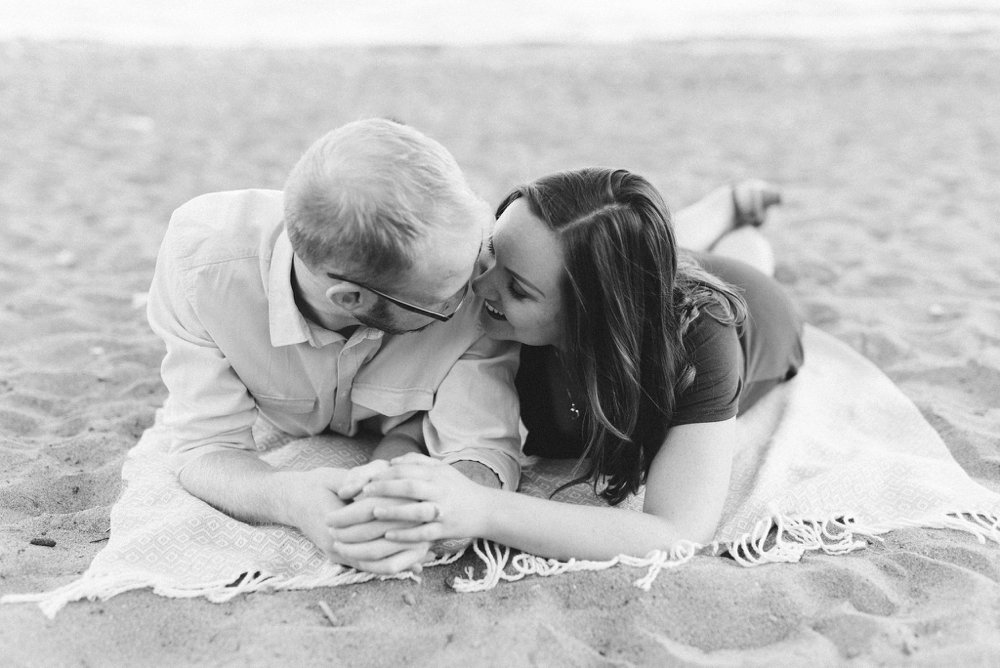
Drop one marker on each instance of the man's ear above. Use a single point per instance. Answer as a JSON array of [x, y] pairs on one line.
[[347, 296]]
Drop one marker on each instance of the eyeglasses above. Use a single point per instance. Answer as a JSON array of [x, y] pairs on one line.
[[413, 308], [443, 317]]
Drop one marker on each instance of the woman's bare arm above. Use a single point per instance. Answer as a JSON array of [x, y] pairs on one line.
[[685, 492]]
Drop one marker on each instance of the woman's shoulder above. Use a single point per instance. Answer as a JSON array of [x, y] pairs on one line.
[[713, 350], [710, 330]]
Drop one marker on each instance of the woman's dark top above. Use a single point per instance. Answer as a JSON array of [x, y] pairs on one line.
[[734, 366]]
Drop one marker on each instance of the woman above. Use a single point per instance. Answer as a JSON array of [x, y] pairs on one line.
[[636, 357]]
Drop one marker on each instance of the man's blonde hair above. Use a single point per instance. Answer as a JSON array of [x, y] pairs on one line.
[[365, 195]]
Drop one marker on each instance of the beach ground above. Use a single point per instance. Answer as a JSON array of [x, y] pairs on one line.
[[889, 238]]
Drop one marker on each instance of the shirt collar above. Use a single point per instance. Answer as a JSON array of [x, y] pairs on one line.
[[287, 325]]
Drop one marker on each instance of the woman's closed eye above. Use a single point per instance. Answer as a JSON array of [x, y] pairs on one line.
[[516, 291], [513, 287]]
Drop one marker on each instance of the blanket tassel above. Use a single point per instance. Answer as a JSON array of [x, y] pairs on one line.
[[497, 558], [775, 539]]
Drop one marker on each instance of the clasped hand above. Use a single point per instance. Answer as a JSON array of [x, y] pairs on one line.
[[395, 511]]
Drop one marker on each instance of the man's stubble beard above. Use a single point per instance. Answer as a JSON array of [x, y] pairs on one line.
[[380, 318]]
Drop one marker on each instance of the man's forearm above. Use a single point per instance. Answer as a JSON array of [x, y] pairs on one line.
[[396, 445], [248, 489], [241, 485], [402, 439]]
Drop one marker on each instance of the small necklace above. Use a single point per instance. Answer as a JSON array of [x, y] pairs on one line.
[[558, 377], [563, 376], [574, 411]]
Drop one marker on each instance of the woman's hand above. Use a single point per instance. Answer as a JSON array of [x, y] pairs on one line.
[[349, 534], [353, 480], [440, 502]]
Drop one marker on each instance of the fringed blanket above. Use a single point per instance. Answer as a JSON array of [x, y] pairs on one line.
[[830, 458]]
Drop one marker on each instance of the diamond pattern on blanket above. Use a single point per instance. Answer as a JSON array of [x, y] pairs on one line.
[[838, 441], [161, 531]]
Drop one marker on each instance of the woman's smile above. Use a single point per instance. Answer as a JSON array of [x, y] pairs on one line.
[[520, 281], [493, 312]]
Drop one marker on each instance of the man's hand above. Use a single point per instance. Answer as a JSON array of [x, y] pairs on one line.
[[309, 497], [243, 486], [405, 491], [356, 478], [314, 499], [359, 538], [441, 503]]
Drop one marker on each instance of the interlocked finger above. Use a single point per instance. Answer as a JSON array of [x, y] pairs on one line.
[[400, 561], [420, 533], [360, 533], [351, 514], [374, 550], [418, 490], [423, 511]]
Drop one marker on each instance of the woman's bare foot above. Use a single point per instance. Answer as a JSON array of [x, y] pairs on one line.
[[751, 200], [744, 204]]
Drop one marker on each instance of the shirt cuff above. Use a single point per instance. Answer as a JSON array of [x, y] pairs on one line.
[[507, 469]]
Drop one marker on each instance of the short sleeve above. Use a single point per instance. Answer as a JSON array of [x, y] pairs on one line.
[[714, 350], [208, 408]]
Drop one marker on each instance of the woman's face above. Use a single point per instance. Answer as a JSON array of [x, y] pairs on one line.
[[521, 284]]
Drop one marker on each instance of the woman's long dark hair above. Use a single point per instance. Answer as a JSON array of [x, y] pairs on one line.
[[628, 296]]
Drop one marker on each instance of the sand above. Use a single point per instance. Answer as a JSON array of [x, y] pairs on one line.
[[890, 160]]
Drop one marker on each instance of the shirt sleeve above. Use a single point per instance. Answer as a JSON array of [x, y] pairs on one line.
[[714, 351], [475, 416], [208, 407]]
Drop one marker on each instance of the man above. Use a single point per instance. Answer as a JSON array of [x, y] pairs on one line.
[[341, 303]]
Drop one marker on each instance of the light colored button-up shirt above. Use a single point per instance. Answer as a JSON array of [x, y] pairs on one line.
[[238, 347]]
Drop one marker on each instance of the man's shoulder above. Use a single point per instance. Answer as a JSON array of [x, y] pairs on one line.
[[224, 225], [230, 202], [432, 351]]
